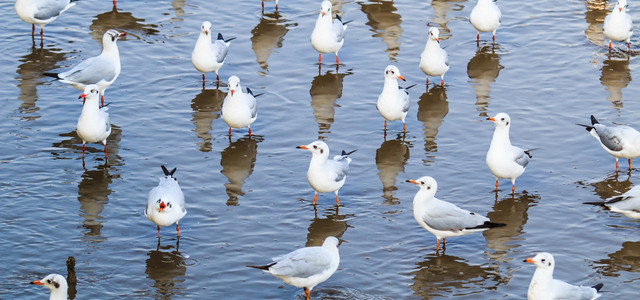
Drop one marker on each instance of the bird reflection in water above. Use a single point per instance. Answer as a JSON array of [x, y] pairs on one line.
[[432, 108], [627, 259], [391, 158], [74, 143], [610, 186], [93, 195], [237, 162], [594, 15], [384, 23], [123, 21], [483, 69], [167, 269], [206, 107], [330, 224], [267, 36], [325, 91], [440, 10], [616, 76]]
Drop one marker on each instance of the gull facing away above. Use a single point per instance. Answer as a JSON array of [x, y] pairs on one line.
[[619, 140], [627, 204], [618, 25], [328, 35], [544, 287], [326, 175], [41, 12], [93, 124], [102, 70], [393, 102], [208, 57], [503, 159], [306, 267], [486, 16], [434, 61], [239, 109], [56, 283], [444, 219], [165, 204]]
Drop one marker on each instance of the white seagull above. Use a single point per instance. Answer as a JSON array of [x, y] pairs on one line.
[[434, 61], [208, 57], [393, 102], [41, 12], [56, 283], [165, 204], [93, 125], [306, 267], [441, 218], [618, 25], [619, 140], [101, 70], [627, 204], [328, 35], [239, 109], [544, 287], [486, 16], [503, 159], [326, 175]]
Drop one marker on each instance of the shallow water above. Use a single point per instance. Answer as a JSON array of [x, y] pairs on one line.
[[248, 199]]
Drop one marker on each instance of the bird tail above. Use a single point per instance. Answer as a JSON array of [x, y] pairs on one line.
[[488, 224], [587, 127], [344, 153], [599, 203], [598, 286], [264, 268], [167, 172], [340, 19], [226, 41], [54, 75]]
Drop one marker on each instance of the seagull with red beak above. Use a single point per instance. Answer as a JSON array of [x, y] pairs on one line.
[[165, 204], [239, 109], [56, 283], [328, 35], [434, 61], [618, 25], [93, 125], [393, 102], [209, 57], [503, 159]]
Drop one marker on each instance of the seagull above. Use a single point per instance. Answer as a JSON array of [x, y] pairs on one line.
[[208, 57], [618, 25], [444, 219], [306, 267], [619, 140], [503, 159], [544, 287], [165, 205], [328, 35], [41, 12], [393, 102], [263, 5], [56, 283], [627, 204], [486, 16], [434, 61], [93, 125], [101, 70], [239, 109], [326, 175]]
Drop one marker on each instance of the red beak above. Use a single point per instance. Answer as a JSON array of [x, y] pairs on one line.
[[82, 96], [37, 282], [162, 206], [302, 147], [206, 32], [122, 34], [231, 92], [400, 77], [491, 119], [324, 13]]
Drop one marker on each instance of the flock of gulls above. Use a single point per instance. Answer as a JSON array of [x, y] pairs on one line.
[[307, 267]]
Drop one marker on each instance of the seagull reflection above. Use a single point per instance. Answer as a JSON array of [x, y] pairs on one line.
[[268, 35], [178, 6], [432, 108], [627, 259], [206, 107], [325, 91], [93, 195], [237, 162], [385, 23], [594, 15], [123, 21], [74, 143], [483, 69], [391, 158], [440, 10], [167, 269], [331, 224], [616, 75], [610, 186]]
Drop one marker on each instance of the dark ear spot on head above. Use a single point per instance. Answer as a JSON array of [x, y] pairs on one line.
[[507, 123], [549, 264], [56, 284], [321, 151]]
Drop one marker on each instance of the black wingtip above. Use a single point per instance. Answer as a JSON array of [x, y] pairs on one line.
[[598, 286], [265, 267], [344, 153], [587, 127], [165, 171], [493, 225], [220, 36], [594, 121], [54, 75]]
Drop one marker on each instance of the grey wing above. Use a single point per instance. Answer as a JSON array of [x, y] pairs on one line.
[[253, 105], [446, 57], [49, 9], [522, 158], [339, 30], [609, 137], [220, 50], [90, 71], [406, 103], [450, 217], [563, 290], [340, 165], [303, 262]]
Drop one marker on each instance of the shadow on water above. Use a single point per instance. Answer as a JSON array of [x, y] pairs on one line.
[[616, 76], [93, 151], [93, 195], [206, 107], [325, 91], [167, 268], [610, 186], [627, 259], [121, 21], [440, 10], [594, 15], [391, 158], [384, 23], [330, 224], [267, 36], [237, 162], [483, 69], [432, 108]]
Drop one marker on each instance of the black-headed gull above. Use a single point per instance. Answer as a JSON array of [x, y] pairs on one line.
[[306, 267], [328, 35], [627, 204], [209, 57], [444, 219], [486, 16], [102, 70], [93, 124], [165, 204], [56, 283], [618, 25], [434, 61], [263, 5], [239, 109], [619, 140], [393, 102], [326, 175], [543, 286], [503, 159], [41, 12]]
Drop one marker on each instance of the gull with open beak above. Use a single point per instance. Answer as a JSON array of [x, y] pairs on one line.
[[93, 125], [503, 159], [326, 175], [56, 283], [393, 102], [165, 204], [434, 61], [239, 109], [328, 34]]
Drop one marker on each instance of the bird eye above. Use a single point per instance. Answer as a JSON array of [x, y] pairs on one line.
[[169, 204], [502, 119], [48, 280], [542, 260], [315, 147], [421, 182], [158, 201]]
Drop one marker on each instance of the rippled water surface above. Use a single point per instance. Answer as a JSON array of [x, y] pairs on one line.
[[247, 197]]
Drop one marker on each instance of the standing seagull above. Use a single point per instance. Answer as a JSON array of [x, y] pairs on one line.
[[165, 204], [41, 12], [326, 175], [434, 61], [441, 218], [393, 102], [101, 70], [503, 159], [618, 25], [328, 35], [619, 140], [208, 57], [56, 283], [93, 125], [543, 286], [306, 267], [486, 16], [627, 204], [239, 109]]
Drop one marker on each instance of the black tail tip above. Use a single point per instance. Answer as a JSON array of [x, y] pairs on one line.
[[265, 267], [493, 225], [593, 120], [598, 286], [594, 203], [220, 36], [345, 153], [167, 172], [54, 75]]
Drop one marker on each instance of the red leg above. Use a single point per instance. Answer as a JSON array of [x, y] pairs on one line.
[[494, 39], [404, 128], [513, 188], [616, 164], [83, 149], [249, 130], [178, 229], [158, 231], [114, 2], [444, 243], [276, 7], [385, 124], [478, 37], [229, 131], [438, 245], [337, 200], [41, 33], [307, 293], [101, 100], [319, 58], [427, 79], [315, 198], [442, 83], [609, 46], [202, 77], [629, 164], [629, 45], [496, 184], [33, 29], [217, 77], [105, 151], [337, 60]]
